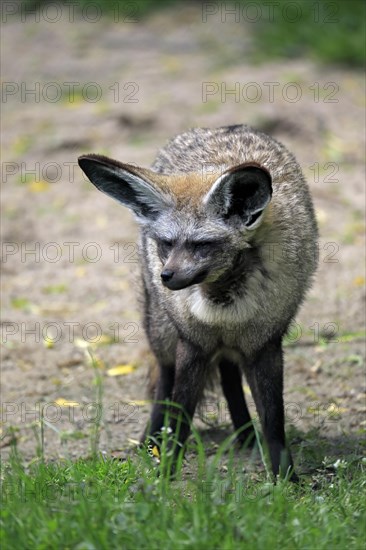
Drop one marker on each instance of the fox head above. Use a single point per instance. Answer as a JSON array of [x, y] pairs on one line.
[[200, 224]]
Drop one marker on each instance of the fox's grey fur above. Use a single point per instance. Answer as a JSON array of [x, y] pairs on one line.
[[228, 241]]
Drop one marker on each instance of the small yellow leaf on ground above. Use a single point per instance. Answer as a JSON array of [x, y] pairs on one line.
[[120, 370], [48, 343], [334, 409], [133, 441], [80, 271], [155, 451], [38, 186], [359, 281], [104, 340], [66, 403], [74, 100]]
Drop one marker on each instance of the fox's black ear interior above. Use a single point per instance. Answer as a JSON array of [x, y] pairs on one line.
[[251, 191], [242, 192], [123, 183]]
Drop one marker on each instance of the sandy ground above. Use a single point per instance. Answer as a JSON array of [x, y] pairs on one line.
[[69, 271]]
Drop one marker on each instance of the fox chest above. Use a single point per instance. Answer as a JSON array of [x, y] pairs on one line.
[[215, 327]]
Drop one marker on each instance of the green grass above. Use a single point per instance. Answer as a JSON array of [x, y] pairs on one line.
[[329, 32], [106, 504], [221, 500]]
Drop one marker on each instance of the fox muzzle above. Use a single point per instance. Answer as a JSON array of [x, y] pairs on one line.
[[177, 281]]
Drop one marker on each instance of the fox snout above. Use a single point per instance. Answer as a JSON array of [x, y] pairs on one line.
[[179, 279]]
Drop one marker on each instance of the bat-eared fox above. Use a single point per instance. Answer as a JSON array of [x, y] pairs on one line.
[[228, 250]]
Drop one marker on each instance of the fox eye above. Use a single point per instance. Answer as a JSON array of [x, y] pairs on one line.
[[166, 243], [202, 248], [165, 246]]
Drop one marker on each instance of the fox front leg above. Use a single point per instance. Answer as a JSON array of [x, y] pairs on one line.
[[265, 377], [163, 393], [231, 382], [190, 376], [185, 384], [189, 380]]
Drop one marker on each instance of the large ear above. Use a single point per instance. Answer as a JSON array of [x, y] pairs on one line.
[[130, 185], [243, 191]]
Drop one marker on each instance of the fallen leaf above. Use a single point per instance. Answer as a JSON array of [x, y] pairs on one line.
[[133, 441], [155, 451], [80, 271], [120, 370], [38, 186], [61, 402], [104, 340], [48, 342], [359, 281]]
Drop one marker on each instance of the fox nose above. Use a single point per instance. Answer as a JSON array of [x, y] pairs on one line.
[[166, 275]]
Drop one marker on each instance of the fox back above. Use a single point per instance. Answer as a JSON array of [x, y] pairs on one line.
[[228, 250]]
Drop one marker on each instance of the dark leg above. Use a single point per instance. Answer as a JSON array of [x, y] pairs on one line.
[[183, 386], [265, 377], [164, 390], [231, 381], [189, 382]]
